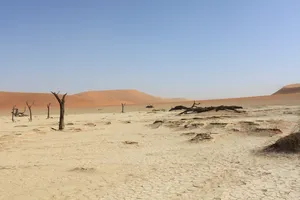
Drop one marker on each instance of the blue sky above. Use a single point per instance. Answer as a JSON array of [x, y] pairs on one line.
[[170, 48]]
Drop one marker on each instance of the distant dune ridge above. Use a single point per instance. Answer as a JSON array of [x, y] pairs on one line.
[[81, 100], [90, 99], [289, 89]]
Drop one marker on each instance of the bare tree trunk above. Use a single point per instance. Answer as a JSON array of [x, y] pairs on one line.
[[16, 112], [48, 107], [13, 114], [123, 105], [61, 102], [29, 108]]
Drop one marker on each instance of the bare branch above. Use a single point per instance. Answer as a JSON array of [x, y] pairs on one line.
[[56, 96]]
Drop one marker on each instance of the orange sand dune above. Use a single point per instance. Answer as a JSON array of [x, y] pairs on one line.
[[116, 97], [287, 95], [85, 99], [289, 89], [8, 99]]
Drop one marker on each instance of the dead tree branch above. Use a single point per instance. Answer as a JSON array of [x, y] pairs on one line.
[[61, 102], [181, 107], [215, 108], [22, 114]]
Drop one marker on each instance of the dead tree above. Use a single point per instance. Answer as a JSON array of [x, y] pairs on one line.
[[61, 102], [29, 108], [16, 112], [180, 107], [211, 108], [21, 114], [13, 113], [48, 108], [123, 106]]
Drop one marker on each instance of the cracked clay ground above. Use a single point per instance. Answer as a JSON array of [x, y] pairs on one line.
[[92, 161]]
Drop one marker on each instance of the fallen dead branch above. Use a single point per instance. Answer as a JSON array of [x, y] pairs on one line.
[[212, 108], [181, 107], [130, 142]]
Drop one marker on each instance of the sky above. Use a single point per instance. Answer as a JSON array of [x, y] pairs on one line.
[[197, 49]]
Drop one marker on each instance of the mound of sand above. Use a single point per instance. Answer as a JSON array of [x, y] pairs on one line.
[[289, 89]]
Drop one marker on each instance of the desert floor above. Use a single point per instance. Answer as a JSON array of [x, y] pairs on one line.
[[91, 159]]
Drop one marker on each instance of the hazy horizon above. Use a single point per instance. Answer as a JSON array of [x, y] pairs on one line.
[[171, 49]]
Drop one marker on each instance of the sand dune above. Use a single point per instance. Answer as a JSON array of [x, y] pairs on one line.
[[289, 89], [85, 99], [116, 97], [8, 99], [288, 95]]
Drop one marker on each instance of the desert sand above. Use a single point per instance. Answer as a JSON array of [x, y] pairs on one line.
[[105, 154]]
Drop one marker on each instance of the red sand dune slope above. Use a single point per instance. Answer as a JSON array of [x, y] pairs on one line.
[[8, 99], [85, 99], [115, 97], [289, 89], [287, 95]]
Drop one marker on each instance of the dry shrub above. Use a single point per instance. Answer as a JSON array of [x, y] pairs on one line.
[[287, 144], [200, 137]]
